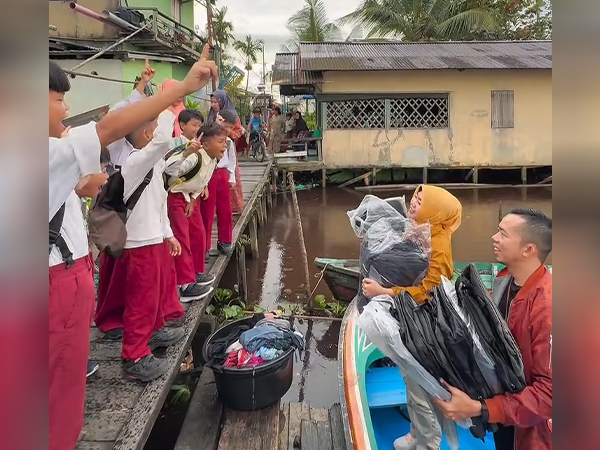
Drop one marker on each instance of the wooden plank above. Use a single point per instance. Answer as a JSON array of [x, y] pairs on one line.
[[93, 445], [319, 414], [201, 427], [253, 235], [295, 421], [284, 435], [105, 351], [269, 427], [241, 431], [309, 438], [364, 176], [324, 435], [104, 426], [337, 428]]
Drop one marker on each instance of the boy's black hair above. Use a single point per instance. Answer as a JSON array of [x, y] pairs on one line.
[[278, 110], [210, 130], [59, 82], [537, 230], [229, 116], [288, 114], [188, 114]]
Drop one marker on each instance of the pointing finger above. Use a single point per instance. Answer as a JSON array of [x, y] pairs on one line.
[[147, 63], [205, 52]]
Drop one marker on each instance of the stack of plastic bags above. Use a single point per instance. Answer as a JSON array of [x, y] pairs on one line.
[[394, 251]]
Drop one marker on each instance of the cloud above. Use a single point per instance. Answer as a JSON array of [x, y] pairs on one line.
[[267, 20]]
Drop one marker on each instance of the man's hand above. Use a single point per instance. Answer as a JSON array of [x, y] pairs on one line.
[[200, 73], [90, 185], [147, 73], [204, 194], [189, 208], [460, 407], [371, 288], [174, 246]]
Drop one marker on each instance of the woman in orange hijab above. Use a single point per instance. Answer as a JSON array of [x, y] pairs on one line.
[[176, 107]]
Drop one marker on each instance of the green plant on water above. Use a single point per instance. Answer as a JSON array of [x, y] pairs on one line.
[[180, 393], [320, 301], [243, 240], [222, 296], [336, 309]]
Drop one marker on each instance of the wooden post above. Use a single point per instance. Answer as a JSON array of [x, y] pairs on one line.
[[475, 175], [309, 303], [241, 273], [524, 176], [253, 228], [324, 177], [424, 175], [263, 206], [500, 211], [374, 177], [285, 179]]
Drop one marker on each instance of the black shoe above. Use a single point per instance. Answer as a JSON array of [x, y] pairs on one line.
[[175, 323], [213, 252], [207, 257], [194, 292], [204, 279], [225, 248], [165, 337], [145, 369], [92, 368], [114, 335]]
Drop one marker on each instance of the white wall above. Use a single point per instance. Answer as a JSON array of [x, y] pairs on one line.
[[87, 93]]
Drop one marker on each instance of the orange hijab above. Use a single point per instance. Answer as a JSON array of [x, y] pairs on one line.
[[176, 108]]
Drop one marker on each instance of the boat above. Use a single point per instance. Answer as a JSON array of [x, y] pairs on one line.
[[373, 394], [342, 275]]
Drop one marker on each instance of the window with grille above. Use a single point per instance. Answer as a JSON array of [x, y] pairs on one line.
[[411, 112], [503, 109]]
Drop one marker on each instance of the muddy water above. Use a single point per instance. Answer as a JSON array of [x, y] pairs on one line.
[[277, 276]]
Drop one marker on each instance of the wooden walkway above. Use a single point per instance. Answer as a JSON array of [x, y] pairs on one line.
[[291, 426], [120, 413]]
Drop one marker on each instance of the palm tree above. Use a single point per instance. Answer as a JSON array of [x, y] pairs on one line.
[[222, 28], [249, 48], [310, 24], [425, 20]]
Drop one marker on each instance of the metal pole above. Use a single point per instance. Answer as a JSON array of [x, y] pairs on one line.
[[110, 47], [264, 71], [209, 26]]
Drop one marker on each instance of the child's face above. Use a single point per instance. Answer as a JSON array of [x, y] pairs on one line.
[[190, 129], [214, 103], [257, 115], [228, 127], [215, 146], [58, 111]]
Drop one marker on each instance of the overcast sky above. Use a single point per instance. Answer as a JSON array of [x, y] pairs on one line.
[[266, 20]]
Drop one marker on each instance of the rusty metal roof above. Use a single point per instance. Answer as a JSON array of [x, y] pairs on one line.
[[286, 71], [360, 56]]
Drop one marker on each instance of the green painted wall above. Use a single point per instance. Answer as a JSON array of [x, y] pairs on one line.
[[164, 6], [180, 71], [187, 14]]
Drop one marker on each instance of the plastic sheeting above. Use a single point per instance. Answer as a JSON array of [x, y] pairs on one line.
[[381, 328], [394, 250]]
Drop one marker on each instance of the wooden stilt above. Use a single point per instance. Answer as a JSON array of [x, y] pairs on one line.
[[475, 175], [524, 176], [253, 229], [285, 180], [323, 177], [424, 175], [241, 273]]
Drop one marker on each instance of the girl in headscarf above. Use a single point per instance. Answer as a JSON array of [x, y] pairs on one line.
[[300, 126], [220, 101], [176, 107]]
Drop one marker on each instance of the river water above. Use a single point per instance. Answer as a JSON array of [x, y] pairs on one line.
[[277, 276]]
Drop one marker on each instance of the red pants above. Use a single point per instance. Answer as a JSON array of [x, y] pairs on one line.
[[137, 284], [189, 231], [71, 306], [219, 200], [111, 302]]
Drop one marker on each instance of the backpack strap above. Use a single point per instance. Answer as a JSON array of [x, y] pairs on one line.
[[131, 202], [186, 176], [55, 238]]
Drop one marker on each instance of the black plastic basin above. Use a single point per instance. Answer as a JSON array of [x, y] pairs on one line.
[[252, 388]]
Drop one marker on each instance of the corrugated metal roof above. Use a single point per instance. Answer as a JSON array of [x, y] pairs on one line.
[[286, 71], [426, 55]]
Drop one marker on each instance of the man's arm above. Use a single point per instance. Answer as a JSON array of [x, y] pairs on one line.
[[533, 405]]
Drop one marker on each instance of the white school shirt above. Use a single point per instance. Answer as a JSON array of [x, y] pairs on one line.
[[70, 159], [148, 223], [176, 167], [229, 160], [120, 150]]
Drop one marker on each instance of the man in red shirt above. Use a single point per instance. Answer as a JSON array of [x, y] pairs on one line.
[[523, 293]]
